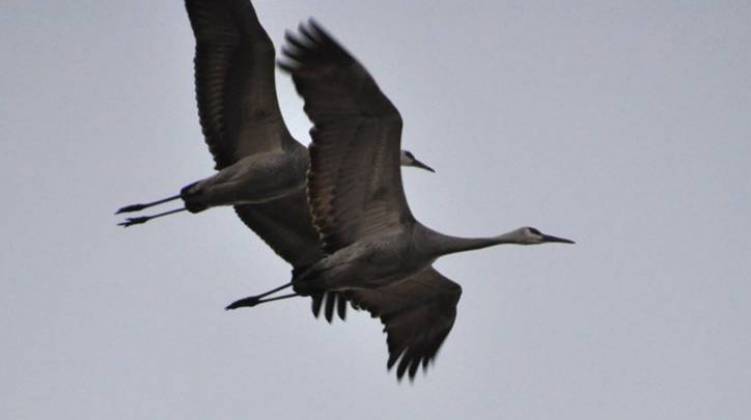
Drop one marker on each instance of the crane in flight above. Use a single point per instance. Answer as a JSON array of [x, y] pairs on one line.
[[378, 255], [256, 157]]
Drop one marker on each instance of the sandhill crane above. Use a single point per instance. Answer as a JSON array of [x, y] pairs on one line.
[[257, 158], [379, 256]]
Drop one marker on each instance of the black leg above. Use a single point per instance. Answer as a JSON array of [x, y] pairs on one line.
[[251, 301], [139, 207]]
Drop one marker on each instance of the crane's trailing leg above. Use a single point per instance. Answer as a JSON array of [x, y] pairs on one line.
[[251, 301], [143, 219], [139, 207]]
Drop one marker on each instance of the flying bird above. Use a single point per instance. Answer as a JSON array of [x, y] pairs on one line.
[[378, 255], [256, 157]]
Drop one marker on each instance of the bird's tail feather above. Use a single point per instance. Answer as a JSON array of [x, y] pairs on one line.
[[321, 301]]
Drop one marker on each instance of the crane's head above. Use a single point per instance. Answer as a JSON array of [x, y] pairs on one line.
[[531, 236], [408, 159]]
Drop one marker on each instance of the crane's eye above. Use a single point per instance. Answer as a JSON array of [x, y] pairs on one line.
[[535, 231], [410, 155]]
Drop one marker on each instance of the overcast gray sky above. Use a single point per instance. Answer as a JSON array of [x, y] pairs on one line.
[[623, 125]]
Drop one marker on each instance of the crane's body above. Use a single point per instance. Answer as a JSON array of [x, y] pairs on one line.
[[365, 265], [253, 179], [390, 258], [378, 255]]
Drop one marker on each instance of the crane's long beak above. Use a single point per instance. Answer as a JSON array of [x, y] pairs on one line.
[[416, 163], [550, 238]]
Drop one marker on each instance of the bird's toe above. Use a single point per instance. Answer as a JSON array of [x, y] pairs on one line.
[[133, 221], [248, 302], [130, 208]]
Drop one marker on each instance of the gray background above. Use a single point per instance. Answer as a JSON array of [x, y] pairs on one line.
[[623, 125]]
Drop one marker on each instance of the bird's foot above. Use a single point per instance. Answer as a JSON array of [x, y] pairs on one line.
[[131, 208], [249, 302], [134, 221]]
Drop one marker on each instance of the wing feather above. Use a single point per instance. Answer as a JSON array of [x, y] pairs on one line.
[[354, 183], [240, 116], [417, 313], [234, 76]]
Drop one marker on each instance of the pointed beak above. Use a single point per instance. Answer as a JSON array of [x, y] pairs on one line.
[[550, 238], [421, 165]]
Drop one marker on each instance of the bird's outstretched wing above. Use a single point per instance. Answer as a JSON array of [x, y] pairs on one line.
[[240, 116], [234, 76], [354, 183], [417, 313]]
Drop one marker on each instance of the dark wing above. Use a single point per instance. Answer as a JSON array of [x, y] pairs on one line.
[[354, 183], [240, 116], [417, 314], [286, 226], [235, 88]]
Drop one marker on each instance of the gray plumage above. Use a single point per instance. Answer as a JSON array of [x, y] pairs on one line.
[[379, 255]]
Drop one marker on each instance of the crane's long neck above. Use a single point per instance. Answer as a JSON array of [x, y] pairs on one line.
[[441, 244]]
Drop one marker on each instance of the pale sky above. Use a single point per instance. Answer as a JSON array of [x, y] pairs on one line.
[[623, 125]]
